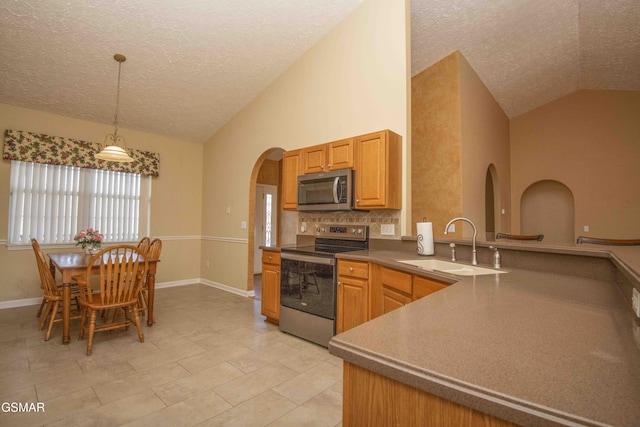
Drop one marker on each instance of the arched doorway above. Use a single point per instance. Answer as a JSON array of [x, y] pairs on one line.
[[547, 207], [265, 179], [491, 203]]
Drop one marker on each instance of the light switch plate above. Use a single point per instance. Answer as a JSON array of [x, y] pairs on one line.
[[243, 225], [387, 229]]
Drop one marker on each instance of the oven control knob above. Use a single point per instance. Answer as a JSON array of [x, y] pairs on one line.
[[320, 229], [353, 231]]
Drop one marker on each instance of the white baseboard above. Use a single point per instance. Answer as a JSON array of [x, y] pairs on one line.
[[248, 294], [20, 303]]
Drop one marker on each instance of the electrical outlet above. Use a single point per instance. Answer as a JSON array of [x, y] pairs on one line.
[[635, 302], [243, 225], [586, 228], [387, 229]]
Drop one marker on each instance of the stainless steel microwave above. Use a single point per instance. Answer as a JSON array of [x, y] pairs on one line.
[[326, 191]]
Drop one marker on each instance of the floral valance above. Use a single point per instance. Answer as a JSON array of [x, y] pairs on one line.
[[57, 150]]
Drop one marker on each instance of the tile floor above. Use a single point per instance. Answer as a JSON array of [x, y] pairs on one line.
[[210, 360]]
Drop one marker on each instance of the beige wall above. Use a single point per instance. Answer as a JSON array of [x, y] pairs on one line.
[[176, 200], [589, 141], [485, 141], [352, 82], [459, 130]]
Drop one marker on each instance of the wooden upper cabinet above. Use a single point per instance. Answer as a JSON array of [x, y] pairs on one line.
[[378, 167], [340, 154], [326, 157], [314, 158], [291, 168]]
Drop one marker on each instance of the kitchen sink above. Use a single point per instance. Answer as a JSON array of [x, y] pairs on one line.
[[451, 267]]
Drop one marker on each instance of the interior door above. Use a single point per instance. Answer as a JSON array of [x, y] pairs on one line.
[[265, 231]]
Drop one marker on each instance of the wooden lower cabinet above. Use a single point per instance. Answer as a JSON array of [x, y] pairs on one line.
[[392, 300], [270, 307], [352, 306], [423, 287], [368, 290], [371, 399]]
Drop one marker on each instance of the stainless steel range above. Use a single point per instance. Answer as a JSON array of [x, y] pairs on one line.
[[308, 285]]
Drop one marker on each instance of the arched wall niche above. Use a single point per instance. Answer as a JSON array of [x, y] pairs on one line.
[[547, 207]]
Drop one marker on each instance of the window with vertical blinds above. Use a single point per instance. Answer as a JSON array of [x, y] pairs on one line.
[[52, 203]]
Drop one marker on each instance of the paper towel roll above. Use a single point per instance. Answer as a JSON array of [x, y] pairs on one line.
[[425, 238]]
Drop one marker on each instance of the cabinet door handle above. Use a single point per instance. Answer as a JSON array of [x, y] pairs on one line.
[[269, 257], [339, 284], [351, 269]]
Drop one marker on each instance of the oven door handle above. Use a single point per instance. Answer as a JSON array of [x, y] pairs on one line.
[[336, 182], [306, 258]]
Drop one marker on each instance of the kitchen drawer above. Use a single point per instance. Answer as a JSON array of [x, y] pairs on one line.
[[397, 280], [357, 269], [270, 257], [423, 287]]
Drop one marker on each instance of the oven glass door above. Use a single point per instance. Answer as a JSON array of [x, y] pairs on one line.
[[308, 284]]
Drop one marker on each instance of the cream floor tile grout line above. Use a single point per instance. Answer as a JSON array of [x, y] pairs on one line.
[[247, 294], [209, 351]]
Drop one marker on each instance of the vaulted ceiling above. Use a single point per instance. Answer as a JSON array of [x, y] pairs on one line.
[[193, 64]]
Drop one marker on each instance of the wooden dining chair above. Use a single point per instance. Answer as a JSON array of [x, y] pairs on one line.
[[613, 242], [530, 237], [155, 248], [143, 245], [121, 273], [52, 294]]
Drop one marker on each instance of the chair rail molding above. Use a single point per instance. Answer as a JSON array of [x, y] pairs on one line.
[[226, 239]]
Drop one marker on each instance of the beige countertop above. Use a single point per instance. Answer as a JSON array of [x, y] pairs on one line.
[[531, 347]]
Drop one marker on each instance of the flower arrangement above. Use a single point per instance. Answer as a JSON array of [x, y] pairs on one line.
[[89, 237]]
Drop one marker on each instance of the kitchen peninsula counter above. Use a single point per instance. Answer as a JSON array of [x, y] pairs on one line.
[[530, 347]]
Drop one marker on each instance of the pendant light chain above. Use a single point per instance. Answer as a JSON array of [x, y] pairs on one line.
[[115, 119]]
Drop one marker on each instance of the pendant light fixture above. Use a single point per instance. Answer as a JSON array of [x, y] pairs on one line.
[[114, 148]]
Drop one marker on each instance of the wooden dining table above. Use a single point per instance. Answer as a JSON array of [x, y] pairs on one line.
[[70, 264]]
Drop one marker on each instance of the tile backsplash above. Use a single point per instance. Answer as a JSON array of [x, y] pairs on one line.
[[374, 219]]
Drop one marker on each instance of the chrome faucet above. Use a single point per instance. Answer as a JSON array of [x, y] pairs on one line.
[[474, 257]]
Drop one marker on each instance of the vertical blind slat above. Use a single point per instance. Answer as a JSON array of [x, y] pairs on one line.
[[52, 203]]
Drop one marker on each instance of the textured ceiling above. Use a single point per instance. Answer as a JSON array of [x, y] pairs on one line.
[[530, 52], [193, 64]]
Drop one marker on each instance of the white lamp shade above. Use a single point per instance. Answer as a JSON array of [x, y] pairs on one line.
[[114, 153]]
